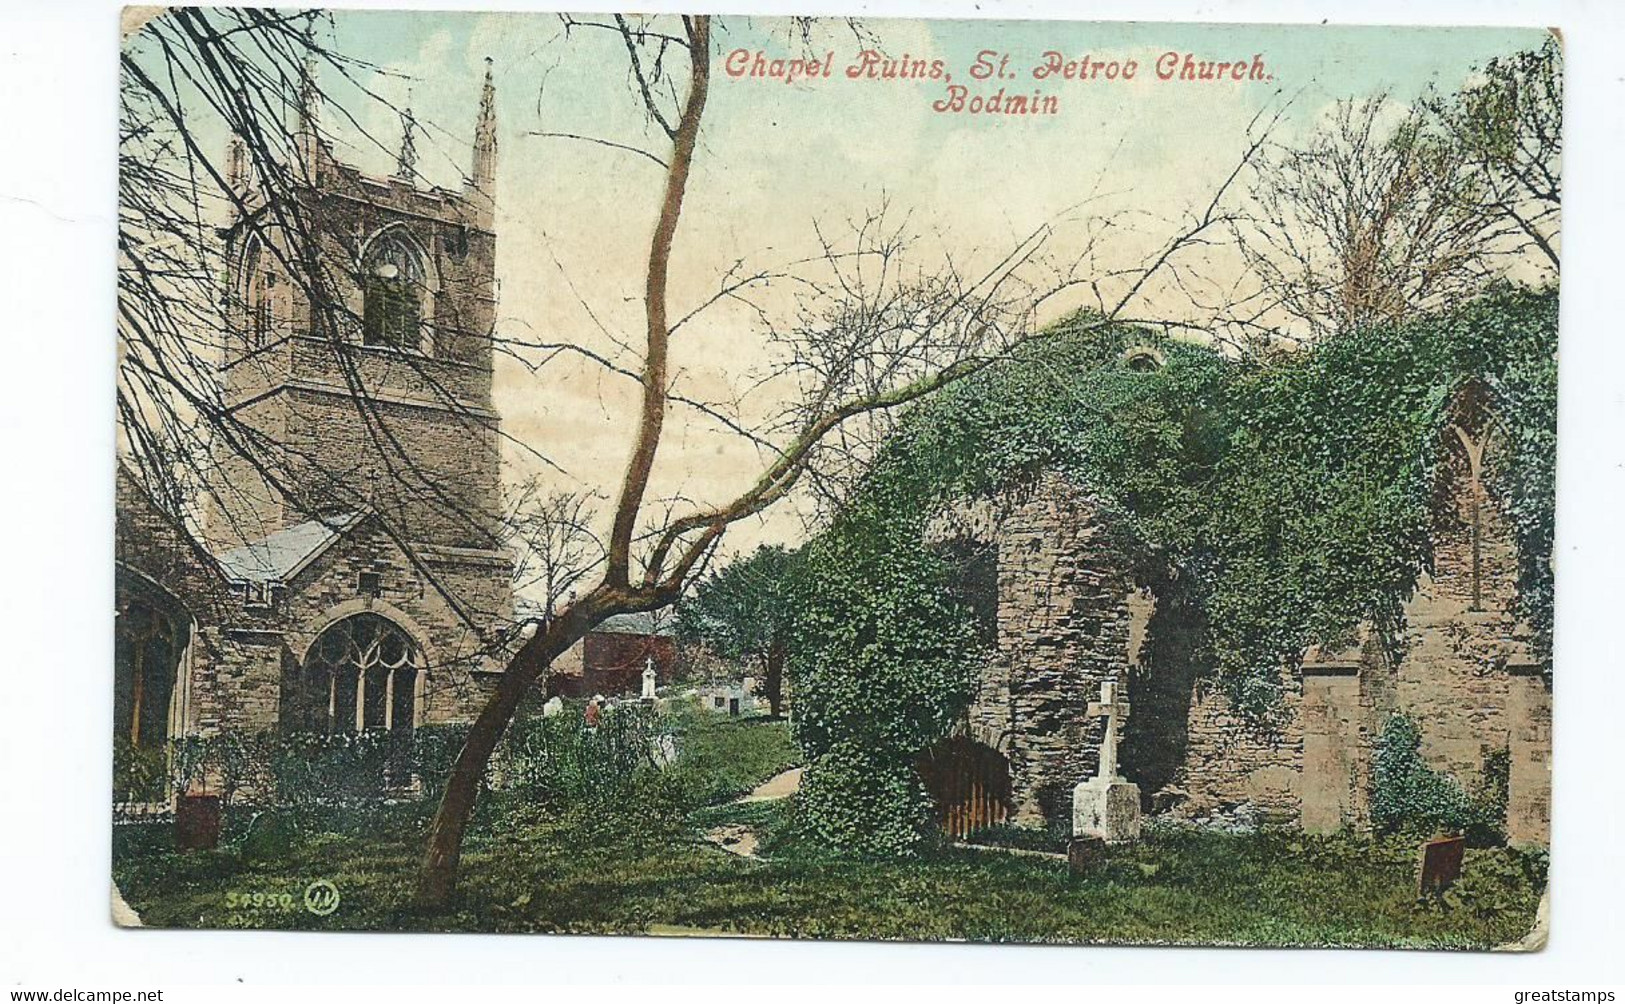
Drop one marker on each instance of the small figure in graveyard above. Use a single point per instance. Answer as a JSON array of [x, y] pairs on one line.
[[591, 715]]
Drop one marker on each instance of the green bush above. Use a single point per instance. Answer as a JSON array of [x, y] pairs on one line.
[[560, 760], [1411, 798], [140, 774]]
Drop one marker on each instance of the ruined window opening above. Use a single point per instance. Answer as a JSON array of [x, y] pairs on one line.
[[370, 584], [1468, 435]]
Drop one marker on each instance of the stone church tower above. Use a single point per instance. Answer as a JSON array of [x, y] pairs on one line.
[[350, 577], [360, 355]]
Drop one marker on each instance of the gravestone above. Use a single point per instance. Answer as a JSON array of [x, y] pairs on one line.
[[663, 749], [1441, 864], [197, 822], [649, 679], [272, 835], [1107, 806], [1085, 854]]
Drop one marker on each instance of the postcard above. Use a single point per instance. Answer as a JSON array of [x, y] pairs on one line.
[[815, 477]]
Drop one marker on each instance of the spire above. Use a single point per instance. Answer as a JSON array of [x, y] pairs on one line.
[[309, 116], [483, 175], [406, 163]]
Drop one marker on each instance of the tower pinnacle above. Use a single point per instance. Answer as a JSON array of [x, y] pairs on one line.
[[482, 176], [406, 162]]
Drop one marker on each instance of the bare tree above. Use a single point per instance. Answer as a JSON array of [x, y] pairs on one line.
[[1504, 131], [552, 537], [1363, 223], [860, 349]]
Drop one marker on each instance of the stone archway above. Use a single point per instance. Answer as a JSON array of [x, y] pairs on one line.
[[969, 785], [151, 634]]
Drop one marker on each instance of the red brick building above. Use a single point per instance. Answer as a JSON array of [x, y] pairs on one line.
[[610, 660]]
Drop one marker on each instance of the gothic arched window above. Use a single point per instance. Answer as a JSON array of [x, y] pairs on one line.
[[257, 283], [147, 650], [392, 277], [362, 673]]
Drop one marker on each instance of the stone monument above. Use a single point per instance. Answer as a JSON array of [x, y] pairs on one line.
[[1106, 806], [649, 679]]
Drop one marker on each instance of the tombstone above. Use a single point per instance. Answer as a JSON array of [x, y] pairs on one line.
[[1106, 805], [649, 679], [272, 835], [663, 749], [1441, 865], [554, 707], [197, 822], [1085, 854]]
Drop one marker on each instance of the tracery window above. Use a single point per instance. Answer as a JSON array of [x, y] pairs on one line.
[[362, 673]]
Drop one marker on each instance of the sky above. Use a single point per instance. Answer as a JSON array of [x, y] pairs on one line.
[[777, 159]]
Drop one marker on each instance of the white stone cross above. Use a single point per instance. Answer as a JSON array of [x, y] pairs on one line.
[[649, 678], [1114, 709]]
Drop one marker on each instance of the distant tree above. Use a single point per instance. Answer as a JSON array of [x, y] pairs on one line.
[[551, 536], [744, 611]]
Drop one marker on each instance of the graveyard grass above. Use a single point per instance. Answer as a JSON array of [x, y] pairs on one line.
[[643, 866]]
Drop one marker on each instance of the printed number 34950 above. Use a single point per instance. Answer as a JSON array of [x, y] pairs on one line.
[[259, 901]]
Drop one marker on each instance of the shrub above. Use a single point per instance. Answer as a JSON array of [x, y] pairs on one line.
[[560, 759], [1412, 798], [139, 773]]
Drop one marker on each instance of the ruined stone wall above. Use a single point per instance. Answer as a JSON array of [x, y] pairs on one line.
[[1235, 770], [1062, 628], [1463, 670]]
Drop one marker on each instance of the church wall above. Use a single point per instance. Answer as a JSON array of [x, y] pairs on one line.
[[459, 253], [432, 474], [457, 659], [1236, 770], [1529, 794]]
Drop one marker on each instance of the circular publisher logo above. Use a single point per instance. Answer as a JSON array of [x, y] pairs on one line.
[[321, 897]]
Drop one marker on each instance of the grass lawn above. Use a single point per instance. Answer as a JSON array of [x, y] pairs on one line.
[[646, 868]]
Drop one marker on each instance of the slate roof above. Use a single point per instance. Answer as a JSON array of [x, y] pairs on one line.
[[280, 556]]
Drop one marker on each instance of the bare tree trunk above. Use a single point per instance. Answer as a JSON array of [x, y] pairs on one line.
[[437, 877]]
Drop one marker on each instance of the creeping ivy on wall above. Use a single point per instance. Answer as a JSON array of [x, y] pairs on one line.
[[1291, 498]]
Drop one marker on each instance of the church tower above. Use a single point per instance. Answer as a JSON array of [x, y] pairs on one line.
[[358, 362]]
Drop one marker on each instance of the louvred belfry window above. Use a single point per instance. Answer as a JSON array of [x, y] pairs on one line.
[[392, 276]]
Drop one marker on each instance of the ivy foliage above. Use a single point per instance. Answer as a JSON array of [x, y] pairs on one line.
[[1410, 797], [1288, 500]]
